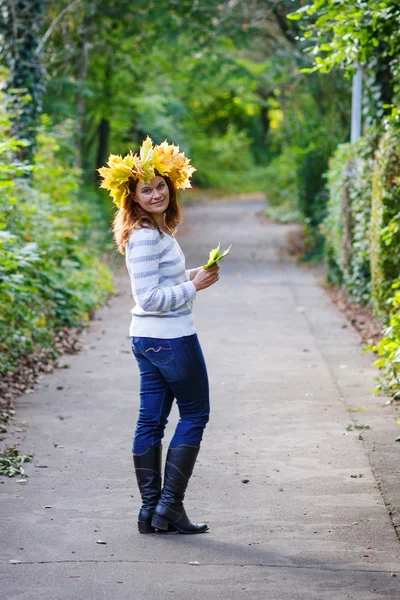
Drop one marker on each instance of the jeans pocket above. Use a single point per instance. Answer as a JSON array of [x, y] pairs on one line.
[[133, 347], [159, 353]]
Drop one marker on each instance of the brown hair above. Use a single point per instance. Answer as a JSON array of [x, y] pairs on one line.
[[131, 215]]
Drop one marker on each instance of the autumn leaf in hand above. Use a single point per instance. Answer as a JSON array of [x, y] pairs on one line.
[[215, 256], [214, 253]]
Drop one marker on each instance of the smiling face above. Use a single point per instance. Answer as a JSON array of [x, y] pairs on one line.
[[153, 197]]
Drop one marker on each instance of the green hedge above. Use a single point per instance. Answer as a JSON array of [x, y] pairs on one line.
[[50, 274], [346, 226], [389, 349], [385, 219], [362, 236]]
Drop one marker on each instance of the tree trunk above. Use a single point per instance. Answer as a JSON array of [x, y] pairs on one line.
[[104, 127], [288, 28], [104, 136], [265, 121], [82, 71], [21, 23]]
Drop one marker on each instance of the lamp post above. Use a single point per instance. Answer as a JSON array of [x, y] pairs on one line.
[[356, 103]]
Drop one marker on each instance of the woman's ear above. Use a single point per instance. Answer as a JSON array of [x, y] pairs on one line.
[[132, 197]]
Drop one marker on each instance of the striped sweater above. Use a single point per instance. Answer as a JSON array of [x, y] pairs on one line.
[[161, 286]]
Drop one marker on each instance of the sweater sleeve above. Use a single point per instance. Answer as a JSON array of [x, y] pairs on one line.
[[143, 261]]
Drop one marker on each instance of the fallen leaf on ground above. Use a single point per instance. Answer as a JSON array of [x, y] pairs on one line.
[[100, 542]]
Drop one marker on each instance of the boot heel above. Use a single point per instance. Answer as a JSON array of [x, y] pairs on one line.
[[145, 527], [159, 523]]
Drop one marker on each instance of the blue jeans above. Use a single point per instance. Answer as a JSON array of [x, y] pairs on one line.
[[172, 368]]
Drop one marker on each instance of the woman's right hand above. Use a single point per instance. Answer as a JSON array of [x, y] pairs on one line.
[[206, 277]]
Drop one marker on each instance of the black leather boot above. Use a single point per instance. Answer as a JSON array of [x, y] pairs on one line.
[[148, 475], [170, 511]]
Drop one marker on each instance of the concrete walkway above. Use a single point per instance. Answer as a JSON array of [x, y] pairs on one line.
[[293, 506]]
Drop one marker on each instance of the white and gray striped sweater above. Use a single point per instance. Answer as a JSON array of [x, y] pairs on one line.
[[161, 286]]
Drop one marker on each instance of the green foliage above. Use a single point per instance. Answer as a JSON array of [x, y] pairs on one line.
[[222, 161], [385, 230], [345, 32], [281, 185], [50, 276], [389, 350], [362, 226], [311, 175], [281, 180], [315, 121], [341, 33], [228, 79], [21, 24], [362, 237], [347, 224], [283, 214]]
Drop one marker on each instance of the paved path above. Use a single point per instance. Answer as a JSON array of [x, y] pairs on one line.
[[310, 524]]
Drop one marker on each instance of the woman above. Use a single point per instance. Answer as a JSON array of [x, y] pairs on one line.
[[164, 341]]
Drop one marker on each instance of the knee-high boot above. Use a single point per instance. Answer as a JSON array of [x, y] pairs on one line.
[[170, 511], [148, 475]]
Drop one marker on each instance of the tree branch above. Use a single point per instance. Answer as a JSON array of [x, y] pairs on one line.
[[54, 25]]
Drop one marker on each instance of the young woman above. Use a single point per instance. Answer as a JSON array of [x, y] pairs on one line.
[[164, 341]]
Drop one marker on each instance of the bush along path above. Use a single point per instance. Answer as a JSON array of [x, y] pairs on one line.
[[362, 231], [284, 479], [50, 273]]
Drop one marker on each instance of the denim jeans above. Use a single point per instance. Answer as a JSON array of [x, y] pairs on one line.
[[170, 368]]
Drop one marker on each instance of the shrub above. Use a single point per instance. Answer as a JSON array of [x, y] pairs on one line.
[[283, 214], [334, 224], [280, 180], [389, 349], [346, 226], [223, 161], [362, 231], [312, 165], [49, 271], [385, 228]]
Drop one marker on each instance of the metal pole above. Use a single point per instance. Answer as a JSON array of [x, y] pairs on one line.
[[356, 102]]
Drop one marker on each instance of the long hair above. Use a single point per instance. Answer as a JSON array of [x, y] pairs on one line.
[[131, 215]]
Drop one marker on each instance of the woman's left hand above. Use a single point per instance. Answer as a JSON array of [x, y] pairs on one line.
[[193, 272]]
